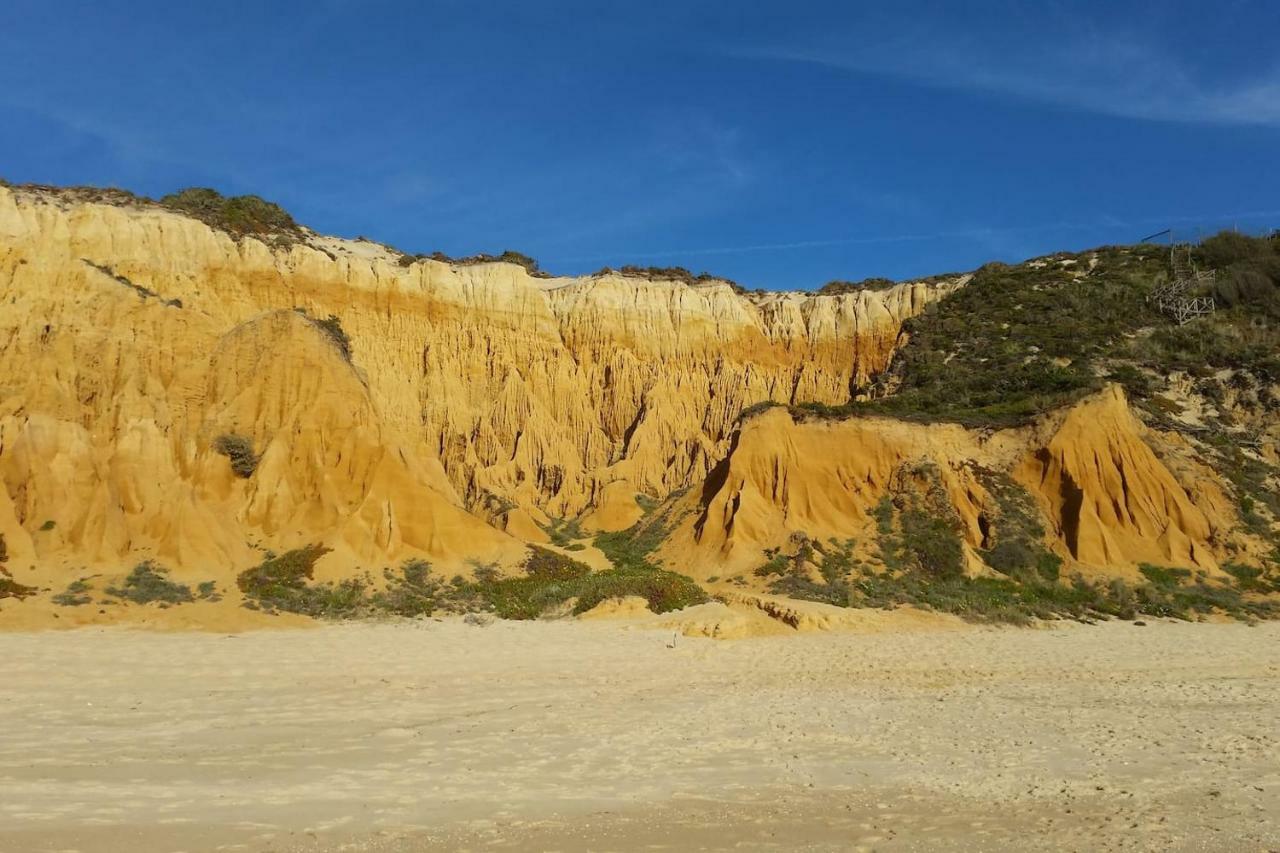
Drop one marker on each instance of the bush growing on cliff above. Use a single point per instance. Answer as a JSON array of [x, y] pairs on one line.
[[239, 451], [756, 408], [331, 328], [238, 215], [834, 288], [507, 257], [679, 274]]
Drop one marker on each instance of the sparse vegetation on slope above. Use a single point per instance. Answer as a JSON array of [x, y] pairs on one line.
[[838, 286], [75, 595], [143, 292], [1020, 340], [550, 581], [507, 257], [919, 562], [239, 215], [148, 583], [679, 274]]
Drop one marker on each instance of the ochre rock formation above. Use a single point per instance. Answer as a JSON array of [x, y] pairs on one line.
[[1108, 502], [1109, 498], [477, 402], [458, 412]]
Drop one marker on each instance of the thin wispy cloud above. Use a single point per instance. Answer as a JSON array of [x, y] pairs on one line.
[[977, 233], [1109, 74]]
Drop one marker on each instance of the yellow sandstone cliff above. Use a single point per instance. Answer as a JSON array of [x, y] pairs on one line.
[[475, 397], [458, 412], [1107, 501]]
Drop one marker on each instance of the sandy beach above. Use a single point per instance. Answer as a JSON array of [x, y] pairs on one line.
[[605, 736]]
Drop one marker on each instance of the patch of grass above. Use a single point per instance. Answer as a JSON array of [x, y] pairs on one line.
[[1018, 602], [663, 590], [239, 451], [646, 503], [550, 580], [148, 583], [563, 531], [630, 548], [281, 583], [1164, 577], [75, 595], [883, 514], [778, 565]]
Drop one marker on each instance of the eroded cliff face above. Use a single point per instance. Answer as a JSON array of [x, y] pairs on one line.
[[1104, 498], [132, 338]]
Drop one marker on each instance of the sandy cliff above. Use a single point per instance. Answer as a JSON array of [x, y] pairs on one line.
[[1107, 501], [133, 338]]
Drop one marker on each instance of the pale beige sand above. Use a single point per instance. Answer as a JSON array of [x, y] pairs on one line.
[[600, 736]]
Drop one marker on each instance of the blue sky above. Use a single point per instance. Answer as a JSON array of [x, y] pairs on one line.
[[782, 144]]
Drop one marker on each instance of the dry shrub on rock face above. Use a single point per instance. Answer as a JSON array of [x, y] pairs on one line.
[[239, 451]]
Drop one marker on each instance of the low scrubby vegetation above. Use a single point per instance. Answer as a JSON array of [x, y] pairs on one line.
[[563, 531], [756, 408], [240, 215], [282, 583], [549, 582], [10, 588], [918, 566], [847, 583], [75, 595], [149, 583], [507, 257], [837, 287], [239, 452], [631, 548], [679, 274], [1019, 340], [1014, 543]]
